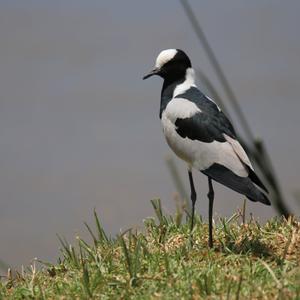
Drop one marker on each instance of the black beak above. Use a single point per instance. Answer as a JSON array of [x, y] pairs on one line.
[[153, 72]]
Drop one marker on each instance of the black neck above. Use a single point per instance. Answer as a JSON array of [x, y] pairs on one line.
[[167, 92]]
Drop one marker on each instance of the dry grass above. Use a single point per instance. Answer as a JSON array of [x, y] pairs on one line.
[[249, 261]]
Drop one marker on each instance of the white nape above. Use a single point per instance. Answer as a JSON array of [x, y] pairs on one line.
[[188, 82]]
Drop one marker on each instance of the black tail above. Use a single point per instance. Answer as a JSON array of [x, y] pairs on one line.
[[256, 179], [242, 185]]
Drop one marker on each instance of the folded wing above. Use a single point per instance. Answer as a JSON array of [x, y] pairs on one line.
[[229, 164]]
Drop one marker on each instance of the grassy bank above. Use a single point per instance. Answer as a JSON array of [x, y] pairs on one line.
[[249, 261]]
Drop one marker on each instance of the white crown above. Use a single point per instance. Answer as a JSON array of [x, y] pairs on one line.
[[164, 57]]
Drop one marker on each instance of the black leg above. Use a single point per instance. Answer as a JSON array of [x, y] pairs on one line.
[[193, 197], [210, 196]]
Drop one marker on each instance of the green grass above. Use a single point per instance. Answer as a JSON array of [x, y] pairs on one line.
[[249, 261]]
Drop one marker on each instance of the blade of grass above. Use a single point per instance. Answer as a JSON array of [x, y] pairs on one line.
[[127, 256], [101, 233], [156, 203]]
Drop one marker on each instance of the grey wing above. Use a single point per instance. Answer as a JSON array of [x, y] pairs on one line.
[[216, 127], [205, 127]]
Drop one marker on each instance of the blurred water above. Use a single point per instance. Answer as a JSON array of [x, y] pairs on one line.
[[79, 128]]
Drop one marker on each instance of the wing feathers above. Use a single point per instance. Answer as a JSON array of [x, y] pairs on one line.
[[197, 130], [240, 152], [256, 180]]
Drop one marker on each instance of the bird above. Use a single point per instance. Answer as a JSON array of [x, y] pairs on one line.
[[200, 134]]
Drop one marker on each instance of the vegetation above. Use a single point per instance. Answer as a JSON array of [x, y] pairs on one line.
[[249, 261]]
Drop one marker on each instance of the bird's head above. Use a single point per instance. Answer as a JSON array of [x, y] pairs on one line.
[[170, 64]]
